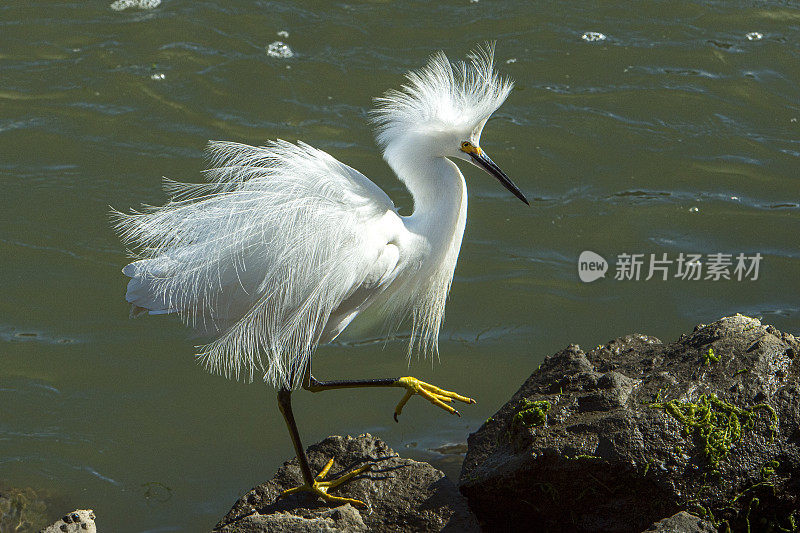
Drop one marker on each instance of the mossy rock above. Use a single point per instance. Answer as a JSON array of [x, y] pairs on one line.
[[636, 430]]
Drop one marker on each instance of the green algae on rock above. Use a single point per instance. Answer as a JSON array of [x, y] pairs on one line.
[[626, 408], [715, 424]]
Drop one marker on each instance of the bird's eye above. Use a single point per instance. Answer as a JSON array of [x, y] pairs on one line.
[[465, 145]]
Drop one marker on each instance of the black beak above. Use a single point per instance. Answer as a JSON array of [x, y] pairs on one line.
[[485, 162]]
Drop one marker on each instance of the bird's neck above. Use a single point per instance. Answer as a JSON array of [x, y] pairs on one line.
[[440, 199]]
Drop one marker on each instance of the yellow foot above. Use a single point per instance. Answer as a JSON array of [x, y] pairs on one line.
[[433, 394], [321, 488]]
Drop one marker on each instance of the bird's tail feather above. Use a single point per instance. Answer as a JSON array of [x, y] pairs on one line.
[[142, 292]]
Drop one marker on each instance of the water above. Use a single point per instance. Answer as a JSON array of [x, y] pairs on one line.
[[676, 133]]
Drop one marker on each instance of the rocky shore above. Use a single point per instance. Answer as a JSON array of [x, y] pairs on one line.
[[401, 494], [700, 434], [635, 430]]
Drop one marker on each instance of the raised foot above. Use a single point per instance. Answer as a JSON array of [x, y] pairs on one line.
[[321, 488], [433, 394]]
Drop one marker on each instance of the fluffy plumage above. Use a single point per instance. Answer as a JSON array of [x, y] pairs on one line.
[[284, 245], [261, 256], [443, 97]]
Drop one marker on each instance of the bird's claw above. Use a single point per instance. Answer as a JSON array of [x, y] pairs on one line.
[[433, 394], [320, 488]]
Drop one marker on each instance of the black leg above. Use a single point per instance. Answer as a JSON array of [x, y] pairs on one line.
[[315, 385], [315, 485], [285, 405], [435, 395], [310, 383]]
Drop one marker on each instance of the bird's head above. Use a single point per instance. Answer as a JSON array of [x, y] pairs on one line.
[[442, 110]]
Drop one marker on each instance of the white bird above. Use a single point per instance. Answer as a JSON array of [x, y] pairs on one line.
[[284, 246]]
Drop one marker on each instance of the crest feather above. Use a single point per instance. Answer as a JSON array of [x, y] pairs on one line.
[[443, 95]]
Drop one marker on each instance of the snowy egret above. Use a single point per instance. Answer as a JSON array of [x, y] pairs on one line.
[[284, 246]]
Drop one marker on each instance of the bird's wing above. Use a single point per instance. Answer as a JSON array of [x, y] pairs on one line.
[[263, 254]]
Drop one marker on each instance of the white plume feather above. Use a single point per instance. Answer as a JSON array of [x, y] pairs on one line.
[[262, 255], [443, 95]]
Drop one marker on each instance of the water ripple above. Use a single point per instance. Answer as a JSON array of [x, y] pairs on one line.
[[15, 334]]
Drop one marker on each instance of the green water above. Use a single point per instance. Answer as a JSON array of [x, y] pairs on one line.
[[675, 134]]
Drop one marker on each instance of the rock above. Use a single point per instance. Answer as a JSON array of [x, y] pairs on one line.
[[401, 494], [621, 436], [683, 522], [78, 521], [339, 519]]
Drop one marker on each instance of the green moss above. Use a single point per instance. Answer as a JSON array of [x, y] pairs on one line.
[[703, 512], [768, 470], [792, 523], [710, 357], [587, 490], [715, 425], [741, 505], [740, 371], [548, 490], [532, 413], [755, 502]]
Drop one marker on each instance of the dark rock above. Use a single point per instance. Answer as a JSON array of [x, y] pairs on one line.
[[630, 432], [401, 494], [683, 522]]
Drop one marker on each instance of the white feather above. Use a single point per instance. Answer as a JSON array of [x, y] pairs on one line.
[[443, 97], [263, 258], [284, 245]]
